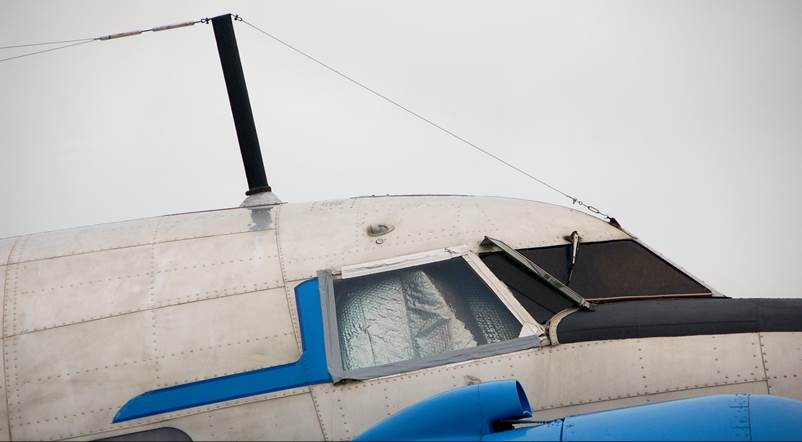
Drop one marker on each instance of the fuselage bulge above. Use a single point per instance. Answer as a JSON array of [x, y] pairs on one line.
[[316, 320]]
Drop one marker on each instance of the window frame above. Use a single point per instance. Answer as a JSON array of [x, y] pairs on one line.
[[531, 331]]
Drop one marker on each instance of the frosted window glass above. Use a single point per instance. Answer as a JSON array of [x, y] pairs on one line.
[[417, 312]]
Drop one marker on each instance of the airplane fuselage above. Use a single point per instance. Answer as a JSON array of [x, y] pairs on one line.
[[95, 317]]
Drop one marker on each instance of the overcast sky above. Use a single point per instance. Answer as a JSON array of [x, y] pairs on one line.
[[680, 118]]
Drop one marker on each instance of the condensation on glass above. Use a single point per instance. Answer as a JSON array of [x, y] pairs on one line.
[[417, 312]]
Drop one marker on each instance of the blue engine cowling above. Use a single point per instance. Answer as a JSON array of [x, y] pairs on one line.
[[474, 412]]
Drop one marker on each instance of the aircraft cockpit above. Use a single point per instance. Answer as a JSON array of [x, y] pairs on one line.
[[449, 305], [416, 311]]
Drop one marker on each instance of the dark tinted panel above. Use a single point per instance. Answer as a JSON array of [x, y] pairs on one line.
[[614, 269], [539, 299]]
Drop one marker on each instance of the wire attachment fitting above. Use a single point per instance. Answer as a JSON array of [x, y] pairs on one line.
[[119, 35], [174, 26]]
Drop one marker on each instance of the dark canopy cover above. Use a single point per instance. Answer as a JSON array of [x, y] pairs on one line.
[[681, 317], [603, 271]]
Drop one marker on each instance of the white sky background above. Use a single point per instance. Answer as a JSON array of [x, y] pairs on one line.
[[683, 119]]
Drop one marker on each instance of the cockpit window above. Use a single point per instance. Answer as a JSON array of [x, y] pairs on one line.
[[608, 269], [416, 312], [422, 315]]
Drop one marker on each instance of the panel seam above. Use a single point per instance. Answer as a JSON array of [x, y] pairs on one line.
[[176, 354], [152, 301], [90, 282], [159, 419], [7, 271], [144, 244], [18, 247], [689, 388], [763, 361], [292, 307], [140, 310]]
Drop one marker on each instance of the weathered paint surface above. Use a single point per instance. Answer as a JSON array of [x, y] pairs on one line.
[[568, 378], [97, 315], [782, 358], [330, 234]]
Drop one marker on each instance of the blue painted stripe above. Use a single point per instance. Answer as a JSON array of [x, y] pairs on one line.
[[308, 370]]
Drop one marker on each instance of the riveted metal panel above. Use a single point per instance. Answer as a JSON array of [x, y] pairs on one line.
[[758, 387], [570, 374], [87, 239], [3, 270], [288, 418], [289, 298], [77, 375], [521, 223], [74, 428], [72, 289], [316, 236], [143, 231], [10, 289], [5, 433], [192, 343], [560, 377], [340, 409], [606, 370], [343, 414], [325, 235], [421, 223], [90, 370], [6, 244], [788, 385], [216, 222], [782, 356], [280, 418], [216, 266], [699, 361]]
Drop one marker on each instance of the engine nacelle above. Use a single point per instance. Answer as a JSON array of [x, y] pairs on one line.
[[474, 413], [466, 413]]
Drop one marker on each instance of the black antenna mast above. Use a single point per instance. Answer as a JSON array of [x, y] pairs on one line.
[[240, 105]]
